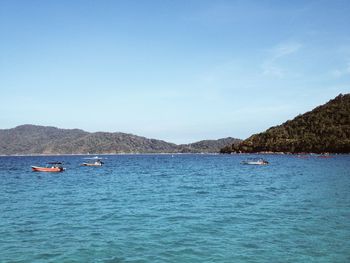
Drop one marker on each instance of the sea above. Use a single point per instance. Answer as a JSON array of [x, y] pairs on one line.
[[176, 208]]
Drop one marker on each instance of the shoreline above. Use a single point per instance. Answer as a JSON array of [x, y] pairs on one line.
[[169, 153], [101, 154]]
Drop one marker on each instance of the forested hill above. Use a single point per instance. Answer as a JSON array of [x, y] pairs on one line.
[[209, 145], [33, 139], [324, 129]]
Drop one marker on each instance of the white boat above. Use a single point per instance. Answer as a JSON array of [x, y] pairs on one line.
[[97, 162], [255, 162]]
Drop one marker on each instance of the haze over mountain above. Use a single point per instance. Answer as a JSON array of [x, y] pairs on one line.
[[33, 139], [324, 129]]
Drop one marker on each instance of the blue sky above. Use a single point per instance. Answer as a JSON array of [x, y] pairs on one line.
[[180, 71]]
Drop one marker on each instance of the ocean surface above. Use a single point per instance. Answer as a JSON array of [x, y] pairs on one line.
[[176, 208]]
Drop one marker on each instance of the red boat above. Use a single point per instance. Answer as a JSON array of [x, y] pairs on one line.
[[56, 167]]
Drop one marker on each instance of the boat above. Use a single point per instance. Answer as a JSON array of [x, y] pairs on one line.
[[302, 156], [51, 167], [325, 155], [97, 162], [255, 162]]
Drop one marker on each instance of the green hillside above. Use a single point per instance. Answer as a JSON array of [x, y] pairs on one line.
[[324, 129]]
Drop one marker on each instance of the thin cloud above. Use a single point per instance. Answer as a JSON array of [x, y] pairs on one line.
[[286, 49], [270, 66], [338, 73], [270, 69]]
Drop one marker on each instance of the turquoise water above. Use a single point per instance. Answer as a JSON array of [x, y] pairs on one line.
[[181, 208]]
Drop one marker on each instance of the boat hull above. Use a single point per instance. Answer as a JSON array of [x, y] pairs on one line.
[[254, 163], [91, 164], [47, 169]]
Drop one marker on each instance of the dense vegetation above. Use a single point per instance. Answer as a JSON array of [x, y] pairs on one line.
[[212, 146], [324, 129], [32, 139]]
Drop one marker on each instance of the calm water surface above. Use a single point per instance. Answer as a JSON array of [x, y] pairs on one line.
[[181, 208]]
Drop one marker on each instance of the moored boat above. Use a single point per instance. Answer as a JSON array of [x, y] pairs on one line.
[[325, 155], [255, 162], [53, 167], [97, 162]]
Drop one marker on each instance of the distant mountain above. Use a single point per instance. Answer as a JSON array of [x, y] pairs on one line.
[[33, 139], [28, 139], [324, 129], [209, 145]]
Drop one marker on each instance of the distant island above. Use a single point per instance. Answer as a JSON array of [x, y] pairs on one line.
[[324, 129], [34, 139]]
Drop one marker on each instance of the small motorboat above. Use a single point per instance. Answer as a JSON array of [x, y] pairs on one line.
[[51, 167], [302, 156], [255, 162], [326, 155], [97, 162]]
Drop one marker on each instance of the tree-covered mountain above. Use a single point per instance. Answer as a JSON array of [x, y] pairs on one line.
[[33, 139], [209, 145], [324, 129]]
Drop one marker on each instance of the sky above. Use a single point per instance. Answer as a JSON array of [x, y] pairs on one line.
[[179, 71]]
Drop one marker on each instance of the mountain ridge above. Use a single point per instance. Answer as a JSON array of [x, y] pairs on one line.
[[36, 139]]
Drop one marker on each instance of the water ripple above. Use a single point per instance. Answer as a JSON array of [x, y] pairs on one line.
[[187, 208]]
